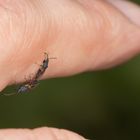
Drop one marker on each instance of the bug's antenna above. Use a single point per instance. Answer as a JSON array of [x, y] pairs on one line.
[[9, 94], [52, 58]]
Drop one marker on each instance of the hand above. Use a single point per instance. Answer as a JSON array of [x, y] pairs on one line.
[[83, 35]]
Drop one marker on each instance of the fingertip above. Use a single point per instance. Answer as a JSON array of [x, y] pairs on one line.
[[39, 134]]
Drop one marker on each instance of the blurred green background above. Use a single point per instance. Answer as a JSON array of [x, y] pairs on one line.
[[102, 105]]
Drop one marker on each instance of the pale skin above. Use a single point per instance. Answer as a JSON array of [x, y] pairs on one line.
[[83, 35]]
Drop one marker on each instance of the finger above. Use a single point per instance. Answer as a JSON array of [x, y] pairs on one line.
[[39, 134], [82, 35]]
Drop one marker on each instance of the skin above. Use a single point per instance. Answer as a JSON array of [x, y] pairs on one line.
[[83, 35]]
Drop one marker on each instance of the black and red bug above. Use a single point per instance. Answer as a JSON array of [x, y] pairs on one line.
[[33, 82]]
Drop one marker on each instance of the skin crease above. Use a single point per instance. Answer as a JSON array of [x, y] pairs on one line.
[[83, 35]]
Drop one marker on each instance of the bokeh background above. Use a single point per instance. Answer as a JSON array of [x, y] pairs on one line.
[[101, 105]]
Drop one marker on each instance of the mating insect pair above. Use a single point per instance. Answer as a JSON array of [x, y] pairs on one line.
[[33, 82]]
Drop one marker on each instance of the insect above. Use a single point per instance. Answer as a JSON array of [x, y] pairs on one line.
[[43, 66], [33, 82]]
